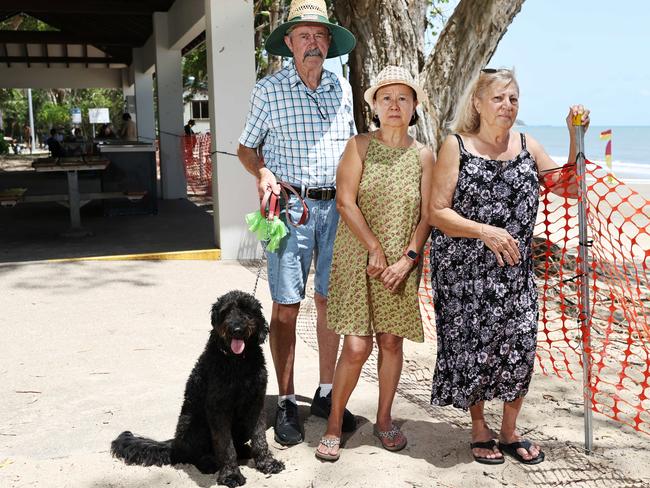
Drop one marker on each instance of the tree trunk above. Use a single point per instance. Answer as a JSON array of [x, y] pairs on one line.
[[387, 32], [392, 32], [275, 18], [465, 46]]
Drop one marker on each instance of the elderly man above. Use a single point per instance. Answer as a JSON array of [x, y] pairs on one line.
[[302, 117]]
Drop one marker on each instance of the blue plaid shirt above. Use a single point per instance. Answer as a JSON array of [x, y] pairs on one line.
[[303, 132]]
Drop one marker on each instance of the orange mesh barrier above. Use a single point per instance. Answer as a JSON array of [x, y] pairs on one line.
[[198, 164], [618, 221]]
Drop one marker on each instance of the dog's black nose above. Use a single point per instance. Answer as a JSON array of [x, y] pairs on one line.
[[237, 331]]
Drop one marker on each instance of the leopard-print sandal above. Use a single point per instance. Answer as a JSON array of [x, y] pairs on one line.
[[329, 443], [391, 434]]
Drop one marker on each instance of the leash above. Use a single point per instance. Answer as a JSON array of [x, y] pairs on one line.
[[270, 208]]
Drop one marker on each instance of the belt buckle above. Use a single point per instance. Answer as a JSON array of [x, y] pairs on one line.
[[327, 193], [320, 193]]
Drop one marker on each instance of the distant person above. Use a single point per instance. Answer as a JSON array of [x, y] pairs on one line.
[[27, 137], [77, 133], [188, 127], [54, 145], [106, 132], [190, 141], [16, 147], [128, 131]]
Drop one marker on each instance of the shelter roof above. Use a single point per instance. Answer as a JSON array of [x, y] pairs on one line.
[[87, 31]]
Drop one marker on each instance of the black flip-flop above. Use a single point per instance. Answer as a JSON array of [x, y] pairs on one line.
[[486, 445], [511, 450]]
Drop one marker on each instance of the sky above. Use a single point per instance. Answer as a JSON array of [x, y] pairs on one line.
[[593, 52]]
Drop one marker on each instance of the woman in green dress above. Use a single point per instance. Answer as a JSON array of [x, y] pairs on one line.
[[382, 196]]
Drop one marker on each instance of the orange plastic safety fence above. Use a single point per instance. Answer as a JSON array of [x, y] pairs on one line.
[[198, 164], [617, 337]]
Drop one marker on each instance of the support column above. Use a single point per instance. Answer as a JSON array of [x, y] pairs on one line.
[[231, 76], [143, 90], [128, 91], [169, 85]]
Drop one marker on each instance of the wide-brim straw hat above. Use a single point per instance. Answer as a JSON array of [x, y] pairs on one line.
[[313, 11], [393, 75]]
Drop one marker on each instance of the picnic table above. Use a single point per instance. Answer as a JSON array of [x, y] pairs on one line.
[[71, 167]]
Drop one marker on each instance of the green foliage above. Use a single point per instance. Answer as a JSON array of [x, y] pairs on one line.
[[195, 70], [4, 146], [52, 115], [13, 104], [52, 108], [436, 17], [24, 22]]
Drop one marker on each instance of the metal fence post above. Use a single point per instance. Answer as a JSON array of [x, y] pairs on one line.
[[585, 309]]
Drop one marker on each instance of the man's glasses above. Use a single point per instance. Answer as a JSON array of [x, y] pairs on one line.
[[323, 115]]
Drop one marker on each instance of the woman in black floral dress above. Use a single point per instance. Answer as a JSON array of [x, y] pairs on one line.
[[483, 208]]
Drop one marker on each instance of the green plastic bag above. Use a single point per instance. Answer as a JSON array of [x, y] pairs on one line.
[[270, 231]]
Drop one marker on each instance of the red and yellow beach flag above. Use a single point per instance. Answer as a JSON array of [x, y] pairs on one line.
[[606, 135]]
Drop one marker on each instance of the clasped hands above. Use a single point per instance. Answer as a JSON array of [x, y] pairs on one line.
[[390, 276]]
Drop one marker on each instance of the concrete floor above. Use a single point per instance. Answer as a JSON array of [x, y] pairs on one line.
[[35, 232]]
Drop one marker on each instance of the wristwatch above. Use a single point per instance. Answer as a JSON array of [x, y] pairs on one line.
[[412, 255]]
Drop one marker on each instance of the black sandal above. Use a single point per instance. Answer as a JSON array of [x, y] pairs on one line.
[[511, 450], [486, 445]]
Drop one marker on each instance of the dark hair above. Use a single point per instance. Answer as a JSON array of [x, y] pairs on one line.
[[52, 131], [191, 122], [126, 116], [413, 121]]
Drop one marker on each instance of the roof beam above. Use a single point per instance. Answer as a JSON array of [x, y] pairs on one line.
[[55, 37], [74, 77], [95, 7], [65, 59]]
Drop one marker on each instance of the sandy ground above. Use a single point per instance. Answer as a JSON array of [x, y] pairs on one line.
[[89, 349]]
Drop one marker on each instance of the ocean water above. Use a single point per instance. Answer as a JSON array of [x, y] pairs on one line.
[[630, 147]]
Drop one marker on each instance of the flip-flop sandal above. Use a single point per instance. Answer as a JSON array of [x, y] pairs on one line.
[[390, 434], [329, 443], [511, 450], [486, 445]]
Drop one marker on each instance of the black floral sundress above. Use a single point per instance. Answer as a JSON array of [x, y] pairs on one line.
[[486, 315]]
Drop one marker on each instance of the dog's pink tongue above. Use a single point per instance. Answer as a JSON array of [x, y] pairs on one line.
[[237, 346]]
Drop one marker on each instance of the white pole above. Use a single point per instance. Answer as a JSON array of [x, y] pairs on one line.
[[31, 119], [585, 310]]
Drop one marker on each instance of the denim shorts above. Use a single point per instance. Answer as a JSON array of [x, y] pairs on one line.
[[288, 267]]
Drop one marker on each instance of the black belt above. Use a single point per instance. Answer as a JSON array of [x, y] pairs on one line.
[[316, 193]]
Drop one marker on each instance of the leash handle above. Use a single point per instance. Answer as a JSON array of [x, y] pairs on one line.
[[270, 204], [284, 188]]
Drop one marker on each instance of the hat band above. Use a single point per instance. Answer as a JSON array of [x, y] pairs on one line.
[[395, 82], [309, 18]]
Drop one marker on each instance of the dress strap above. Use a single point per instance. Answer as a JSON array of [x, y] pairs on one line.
[[523, 141], [460, 143]]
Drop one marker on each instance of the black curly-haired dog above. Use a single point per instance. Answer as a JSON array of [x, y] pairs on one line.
[[223, 405]]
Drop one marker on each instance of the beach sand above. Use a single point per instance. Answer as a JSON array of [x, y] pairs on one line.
[[90, 349]]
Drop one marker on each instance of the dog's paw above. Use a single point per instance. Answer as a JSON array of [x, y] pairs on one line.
[[231, 477], [269, 465]]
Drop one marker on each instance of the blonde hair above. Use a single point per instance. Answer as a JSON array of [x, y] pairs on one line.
[[466, 119]]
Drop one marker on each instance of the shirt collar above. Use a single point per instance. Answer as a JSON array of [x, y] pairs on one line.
[[327, 80]]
